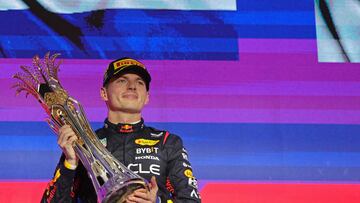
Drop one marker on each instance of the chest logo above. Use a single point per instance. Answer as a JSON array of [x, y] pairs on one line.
[[146, 142], [126, 129]]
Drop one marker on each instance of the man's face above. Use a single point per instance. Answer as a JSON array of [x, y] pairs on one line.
[[126, 94]]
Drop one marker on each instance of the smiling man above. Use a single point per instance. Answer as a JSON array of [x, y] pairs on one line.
[[156, 155]]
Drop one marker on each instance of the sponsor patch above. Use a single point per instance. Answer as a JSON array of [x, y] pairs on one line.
[[188, 173], [126, 62], [156, 134], [126, 129], [169, 186], [147, 157], [185, 156], [186, 165], [147, 150], [146, 142], [194, 194], [139, 168], [193, 182]]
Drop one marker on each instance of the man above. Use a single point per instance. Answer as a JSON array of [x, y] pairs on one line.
[[156, 155]]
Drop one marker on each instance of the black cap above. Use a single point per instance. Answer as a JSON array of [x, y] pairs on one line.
[[126, 65]]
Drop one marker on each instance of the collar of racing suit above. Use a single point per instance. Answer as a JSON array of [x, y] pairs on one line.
[[124, 127]]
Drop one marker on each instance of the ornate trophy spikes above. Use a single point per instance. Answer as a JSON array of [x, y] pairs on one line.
[[37, 76], [112, 181]]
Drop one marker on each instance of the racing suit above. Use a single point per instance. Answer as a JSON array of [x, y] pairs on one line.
[[144, 150]]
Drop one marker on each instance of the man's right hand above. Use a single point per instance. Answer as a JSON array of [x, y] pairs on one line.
[[66, 141]]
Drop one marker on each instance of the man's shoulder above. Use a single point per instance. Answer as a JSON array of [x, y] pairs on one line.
[[155, 132]]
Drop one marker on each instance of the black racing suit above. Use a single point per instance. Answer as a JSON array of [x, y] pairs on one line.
[[144, 150]]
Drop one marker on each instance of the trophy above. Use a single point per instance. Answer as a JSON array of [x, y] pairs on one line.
[[112, 181]]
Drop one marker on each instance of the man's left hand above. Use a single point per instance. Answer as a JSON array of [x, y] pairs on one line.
[[143, 195]]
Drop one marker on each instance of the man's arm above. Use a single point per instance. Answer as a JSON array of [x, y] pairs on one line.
[[181, 181], [59, 189]]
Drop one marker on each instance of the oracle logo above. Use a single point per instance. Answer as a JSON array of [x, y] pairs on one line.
[[139, 168]]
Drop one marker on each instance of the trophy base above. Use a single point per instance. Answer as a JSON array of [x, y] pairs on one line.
[[119, 195]]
